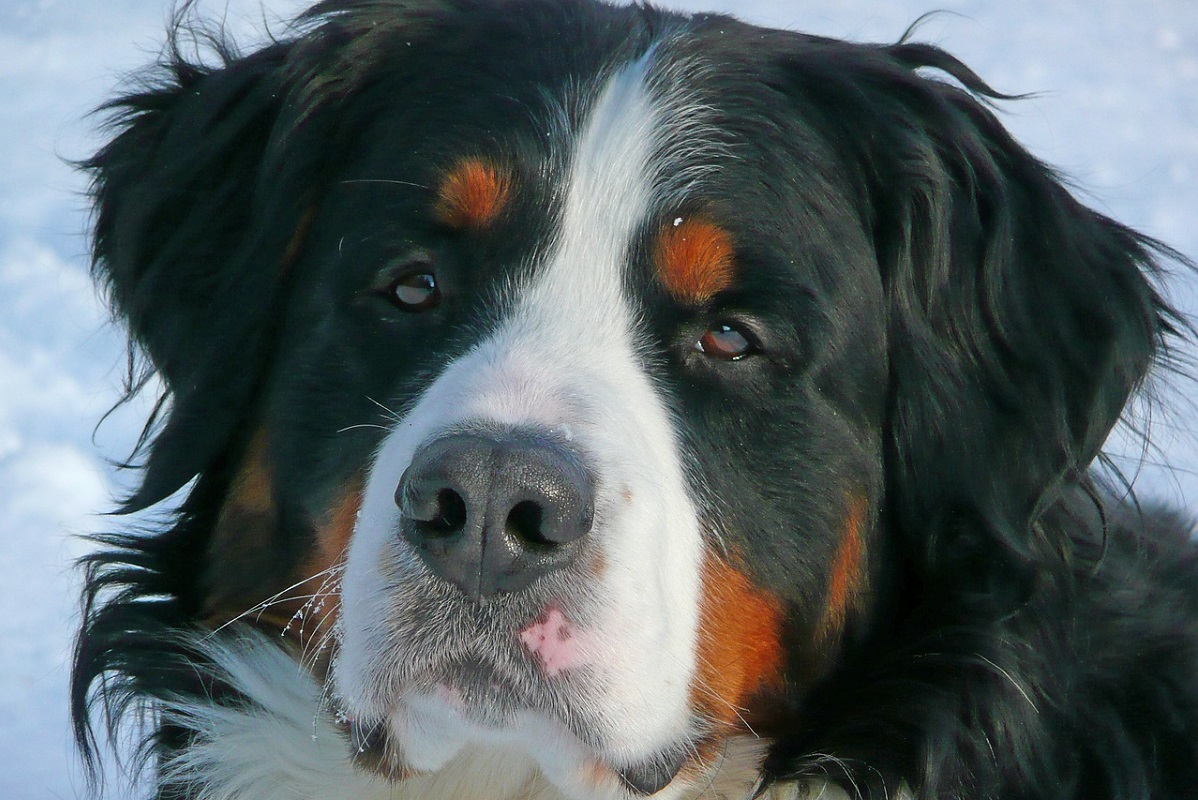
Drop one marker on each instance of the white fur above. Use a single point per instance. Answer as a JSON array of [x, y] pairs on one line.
[[285, 746], [290, 749], [566, 360]]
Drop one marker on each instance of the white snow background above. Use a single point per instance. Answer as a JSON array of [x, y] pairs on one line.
[[1117, 110]]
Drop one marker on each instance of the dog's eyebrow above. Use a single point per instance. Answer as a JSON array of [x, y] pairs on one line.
[[694, 259], [472, 194]]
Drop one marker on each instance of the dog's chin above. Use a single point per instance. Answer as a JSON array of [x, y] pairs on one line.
[[523, 675], [475, 708], [578, 774]]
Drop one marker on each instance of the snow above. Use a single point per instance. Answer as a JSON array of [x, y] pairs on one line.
[[1117, 109]]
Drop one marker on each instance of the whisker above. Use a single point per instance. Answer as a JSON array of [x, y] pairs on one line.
[[316, 602], [389, 413], [272, 600], [362, 426], [383, 180], [737, 710]]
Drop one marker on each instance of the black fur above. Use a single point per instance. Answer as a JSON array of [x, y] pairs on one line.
[[1029, 635]]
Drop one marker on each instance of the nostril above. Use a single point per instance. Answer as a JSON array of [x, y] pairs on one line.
[[524, 523], [433, 511], [444, 516], [492, 513]]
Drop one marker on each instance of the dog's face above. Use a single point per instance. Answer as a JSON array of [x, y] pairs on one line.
[[601, 385], [596, 369], [572, 372]]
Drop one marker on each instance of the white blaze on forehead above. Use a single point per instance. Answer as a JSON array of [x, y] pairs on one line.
[[566, 360], [608, 196]]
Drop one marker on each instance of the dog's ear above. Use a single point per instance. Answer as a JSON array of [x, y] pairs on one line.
[[195, 217], [1020, 320], [202, 200]]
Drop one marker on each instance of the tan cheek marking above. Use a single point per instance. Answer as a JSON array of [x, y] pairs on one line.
[[333, 535], [846, 576], [472, 195], [240, 548], [740, 649], [252, 491], [694, 259], [321, 574], [243, 544]]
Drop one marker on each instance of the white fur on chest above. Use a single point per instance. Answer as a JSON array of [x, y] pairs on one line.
[[288, 748]]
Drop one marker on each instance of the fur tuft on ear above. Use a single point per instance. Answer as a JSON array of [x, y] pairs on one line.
[[1020, 320]]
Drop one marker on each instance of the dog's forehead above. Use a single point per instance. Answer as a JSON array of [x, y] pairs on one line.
[[498, 167]]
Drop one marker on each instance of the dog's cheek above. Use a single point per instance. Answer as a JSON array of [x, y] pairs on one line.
[[744, 668], [847, 578], [242, 564], [319, 582], [250, 573], [740, 652]]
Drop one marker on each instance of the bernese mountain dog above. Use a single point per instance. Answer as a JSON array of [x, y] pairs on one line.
[[574, 401]]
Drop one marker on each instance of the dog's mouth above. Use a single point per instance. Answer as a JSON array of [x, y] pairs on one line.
[[373, 749], [539, 677]]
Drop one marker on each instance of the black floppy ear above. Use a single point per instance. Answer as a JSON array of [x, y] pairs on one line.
[[194, 217], [203, 198], [1020, 320]]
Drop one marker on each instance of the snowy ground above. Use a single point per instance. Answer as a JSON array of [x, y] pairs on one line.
[[1118, 111]]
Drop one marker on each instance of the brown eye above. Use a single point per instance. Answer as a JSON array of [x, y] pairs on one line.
[[416, 291], [726, 342]]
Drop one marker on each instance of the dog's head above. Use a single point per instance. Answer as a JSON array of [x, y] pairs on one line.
[[586, 379]]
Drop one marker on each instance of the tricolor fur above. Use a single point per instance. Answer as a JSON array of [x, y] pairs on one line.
[[569, 401]]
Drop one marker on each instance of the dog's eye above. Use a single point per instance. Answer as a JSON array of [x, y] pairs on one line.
[[725, 341], [416, 291]]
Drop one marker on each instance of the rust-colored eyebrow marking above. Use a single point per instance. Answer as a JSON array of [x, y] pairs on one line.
[[694, 259], [845, 578], [473, 194]]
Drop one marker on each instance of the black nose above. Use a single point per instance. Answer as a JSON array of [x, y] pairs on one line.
[[490, 514]]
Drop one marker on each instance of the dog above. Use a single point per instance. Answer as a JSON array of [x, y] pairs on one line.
[[570, 401]]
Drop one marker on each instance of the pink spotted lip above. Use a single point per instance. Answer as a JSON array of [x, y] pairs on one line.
[[554, 641]]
